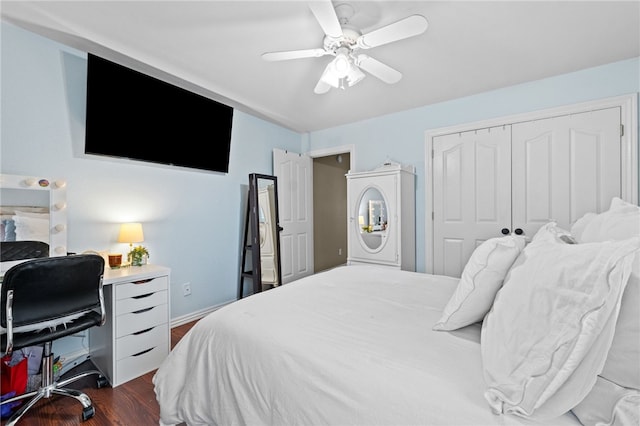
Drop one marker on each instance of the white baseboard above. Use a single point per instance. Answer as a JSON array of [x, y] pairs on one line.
[[184, 319]]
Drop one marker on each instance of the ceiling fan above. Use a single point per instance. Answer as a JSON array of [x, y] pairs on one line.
[[343, 41]]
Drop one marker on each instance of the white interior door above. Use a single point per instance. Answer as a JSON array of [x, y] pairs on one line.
[[564, 167], [471, 194], [295, 202]]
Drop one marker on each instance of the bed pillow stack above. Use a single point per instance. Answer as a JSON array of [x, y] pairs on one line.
[[615, 398], [482, 277], [566, 313]]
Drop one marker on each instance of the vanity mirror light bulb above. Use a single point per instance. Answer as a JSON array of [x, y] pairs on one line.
[[60, 227], [61, 183], [30, 181], [60, 250], [61, 205]]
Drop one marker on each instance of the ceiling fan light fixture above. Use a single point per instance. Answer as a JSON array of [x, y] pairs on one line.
[[342, 64], [342, 72], [354, 76]]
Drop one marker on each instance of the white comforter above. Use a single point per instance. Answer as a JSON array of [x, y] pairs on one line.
[[350, 346]]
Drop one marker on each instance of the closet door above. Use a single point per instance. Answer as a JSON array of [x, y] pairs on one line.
[[471, 194], [564, 167]]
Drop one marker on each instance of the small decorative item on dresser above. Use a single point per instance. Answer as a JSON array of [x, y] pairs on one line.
[[115, 260], [138, 256]]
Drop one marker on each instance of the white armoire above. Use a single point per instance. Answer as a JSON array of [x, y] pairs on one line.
[[381, 216]]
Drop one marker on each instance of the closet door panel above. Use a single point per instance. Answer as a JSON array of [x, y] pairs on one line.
[[472, 198], [564, 167]]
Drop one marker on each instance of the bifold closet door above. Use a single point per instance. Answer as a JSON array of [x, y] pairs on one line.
[[517, 178], [471, 194], [564, 167]]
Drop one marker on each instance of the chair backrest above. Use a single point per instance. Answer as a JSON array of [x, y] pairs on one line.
[[20, 250], [51, 288]]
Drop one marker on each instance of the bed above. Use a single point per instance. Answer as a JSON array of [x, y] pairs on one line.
[[511, 342]]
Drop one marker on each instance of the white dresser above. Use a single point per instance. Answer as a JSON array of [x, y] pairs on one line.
[[137, 335], [381, 218]]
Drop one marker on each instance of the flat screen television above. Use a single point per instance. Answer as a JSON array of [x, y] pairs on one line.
[[135, 116]]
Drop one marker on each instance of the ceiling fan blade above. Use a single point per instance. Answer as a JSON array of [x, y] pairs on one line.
[[378, 69], [294, 54], [404, 28], [326, 16]]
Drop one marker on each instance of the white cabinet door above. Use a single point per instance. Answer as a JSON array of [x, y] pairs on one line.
[[380, 246], [294, 173], [564, 167], [471, 194]]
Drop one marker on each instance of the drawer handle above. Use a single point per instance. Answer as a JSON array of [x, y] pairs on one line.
[[143, 352], [143, 281], [143, 310], [142, 296], [137, 333]]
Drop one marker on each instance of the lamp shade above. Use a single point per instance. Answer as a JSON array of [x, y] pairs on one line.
[[131, 233]]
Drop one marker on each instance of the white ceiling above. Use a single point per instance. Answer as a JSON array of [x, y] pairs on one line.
[[215, 47]]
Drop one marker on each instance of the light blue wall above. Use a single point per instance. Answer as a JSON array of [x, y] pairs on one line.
[[193, 221], [401, 136]]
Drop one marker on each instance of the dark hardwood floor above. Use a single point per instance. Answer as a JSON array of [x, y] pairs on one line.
[[130, 404]]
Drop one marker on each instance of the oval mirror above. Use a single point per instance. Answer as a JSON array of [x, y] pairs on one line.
[[372, 219]]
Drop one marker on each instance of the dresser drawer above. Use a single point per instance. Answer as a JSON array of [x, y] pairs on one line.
[[138, 288], [136, 365], [133, 322], [137, 303], [132, 344]]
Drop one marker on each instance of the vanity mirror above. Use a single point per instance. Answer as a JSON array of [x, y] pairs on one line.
[[372, 218], [33, 219]]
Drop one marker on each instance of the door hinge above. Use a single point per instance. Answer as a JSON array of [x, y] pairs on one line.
[[622, 130], [431, 153], [433, 215]]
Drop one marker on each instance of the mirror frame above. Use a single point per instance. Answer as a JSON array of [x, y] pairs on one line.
[[254, 187], [57, 210], [359, 230]]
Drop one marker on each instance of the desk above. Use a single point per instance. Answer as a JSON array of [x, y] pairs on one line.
[[136, 336]]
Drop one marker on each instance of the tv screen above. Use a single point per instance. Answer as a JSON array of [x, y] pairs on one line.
[[133, 115]]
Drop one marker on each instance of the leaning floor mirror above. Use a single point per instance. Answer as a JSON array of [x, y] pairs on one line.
[[262, 235]]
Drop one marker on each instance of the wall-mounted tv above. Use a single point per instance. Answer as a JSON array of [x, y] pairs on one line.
[[133, 115]]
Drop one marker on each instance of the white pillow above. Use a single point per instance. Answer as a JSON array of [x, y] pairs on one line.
[[551, 231], [609, 404], [481, 279], [623, 361], [621, 221], [548, 333], [30, 228], [577, 229]]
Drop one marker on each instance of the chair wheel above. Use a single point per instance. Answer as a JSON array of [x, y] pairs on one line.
[[102, 382], [88, 412]]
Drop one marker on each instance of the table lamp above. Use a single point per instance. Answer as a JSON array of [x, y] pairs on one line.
[[131, 233]]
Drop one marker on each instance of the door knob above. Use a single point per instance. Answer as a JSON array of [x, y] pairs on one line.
[[505, 231], [519, 231]]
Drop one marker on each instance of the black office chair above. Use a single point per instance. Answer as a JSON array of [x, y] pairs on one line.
[[21, 250], [51, 293]]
